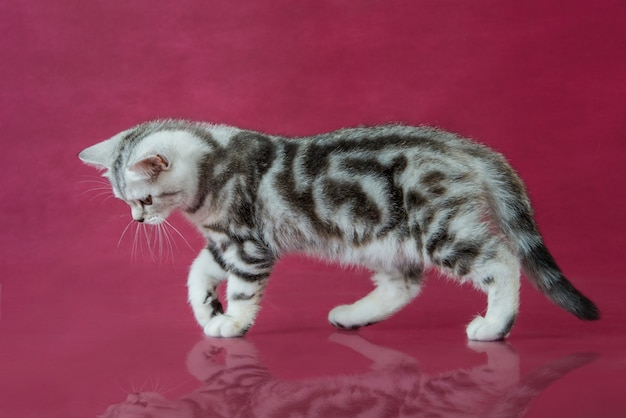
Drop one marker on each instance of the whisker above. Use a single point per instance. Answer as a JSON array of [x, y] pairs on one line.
[[145, 387], [173, 240], [157, 240], [166, 385], [119, 385], [98, 180], [173, 387], [169, 240], [135, 242], [147, 234], [124, 233], [149, 384], [105, 200], [145, 243], [133, 386], [160, 241], [94, 197], [179, 234], [93, 189], [168, 243], [157, 384]]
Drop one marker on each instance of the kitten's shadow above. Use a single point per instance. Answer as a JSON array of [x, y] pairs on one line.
[[235, 383]]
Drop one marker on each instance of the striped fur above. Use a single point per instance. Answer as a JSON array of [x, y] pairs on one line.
[[395, 199]]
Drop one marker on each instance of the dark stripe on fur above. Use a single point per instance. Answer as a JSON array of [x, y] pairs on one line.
[[214, 302], [300, 201], [342, 193], [241, 296], [462, 257], [433, 183], [245, 159], [217, 256], [219, 259], [414, 201], [413, 273], [249, 277], [442, 236], [438, 240], [217, 307]]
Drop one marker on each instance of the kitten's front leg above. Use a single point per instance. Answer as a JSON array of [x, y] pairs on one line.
[[204, 276], [243, 306], [248, 264]]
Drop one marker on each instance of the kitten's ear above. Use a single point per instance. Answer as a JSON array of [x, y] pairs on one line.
[[100, 155], [150, 167]]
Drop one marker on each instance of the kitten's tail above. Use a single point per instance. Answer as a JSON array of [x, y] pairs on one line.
[[515, 217]]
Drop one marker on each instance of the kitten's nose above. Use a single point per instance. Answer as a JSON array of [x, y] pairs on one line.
[[139, 220]]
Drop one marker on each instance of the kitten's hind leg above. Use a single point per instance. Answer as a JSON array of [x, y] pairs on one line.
[[500, 278], [204, 276], [393, 291]]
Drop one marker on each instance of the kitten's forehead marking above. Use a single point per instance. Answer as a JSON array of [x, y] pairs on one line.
[[160, 137], [130, 142], [126, 147]]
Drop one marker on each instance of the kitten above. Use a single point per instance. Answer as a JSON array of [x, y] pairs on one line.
[[395, 199]]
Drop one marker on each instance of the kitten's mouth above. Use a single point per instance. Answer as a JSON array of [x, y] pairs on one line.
[[155, 220]]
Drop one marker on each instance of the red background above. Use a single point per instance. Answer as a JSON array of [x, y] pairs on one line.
[[541, 81]]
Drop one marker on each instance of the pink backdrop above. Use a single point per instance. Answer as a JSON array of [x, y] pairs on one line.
[[541, 81]]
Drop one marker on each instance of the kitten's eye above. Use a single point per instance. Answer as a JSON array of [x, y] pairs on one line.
[[147, 201]]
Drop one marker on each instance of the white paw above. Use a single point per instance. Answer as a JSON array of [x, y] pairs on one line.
[[481, 329], [225, 326], [205, 310], [203, 315], [346, 317]]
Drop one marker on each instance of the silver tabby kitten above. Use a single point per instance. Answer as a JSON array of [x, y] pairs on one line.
[[395, 199]]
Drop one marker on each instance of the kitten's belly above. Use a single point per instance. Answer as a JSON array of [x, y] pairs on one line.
[[387, 253], [343, 241]]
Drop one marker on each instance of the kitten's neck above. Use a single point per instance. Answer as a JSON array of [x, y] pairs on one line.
[[229, 177]]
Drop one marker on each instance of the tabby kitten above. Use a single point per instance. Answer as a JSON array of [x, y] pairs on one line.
[[395, 199]]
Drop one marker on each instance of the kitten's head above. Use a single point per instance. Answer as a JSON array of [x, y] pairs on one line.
[[150, 167]]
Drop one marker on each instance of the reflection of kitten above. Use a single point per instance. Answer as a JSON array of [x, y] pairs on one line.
[[395, 199], [236, 384]]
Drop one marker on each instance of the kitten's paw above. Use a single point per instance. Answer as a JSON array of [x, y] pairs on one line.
[[203, 316], [225, 326], [206, 310], [482, 329], [346, 317]]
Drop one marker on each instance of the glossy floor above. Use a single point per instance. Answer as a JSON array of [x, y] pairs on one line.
[[123, 345]]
